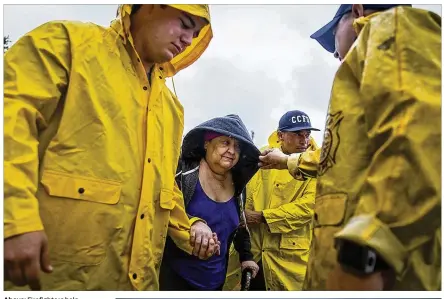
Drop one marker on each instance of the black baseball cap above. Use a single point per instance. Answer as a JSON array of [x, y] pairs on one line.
[[325, 35], [295, 120]]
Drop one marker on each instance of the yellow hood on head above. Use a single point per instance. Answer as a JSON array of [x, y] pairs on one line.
[[191, 53], [273, 141]]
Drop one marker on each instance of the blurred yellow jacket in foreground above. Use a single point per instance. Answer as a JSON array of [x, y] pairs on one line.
[[379, 178]]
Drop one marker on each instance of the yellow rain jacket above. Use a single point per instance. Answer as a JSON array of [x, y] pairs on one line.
[[283, 243], [379, 180], [91, 150], [304, 165]]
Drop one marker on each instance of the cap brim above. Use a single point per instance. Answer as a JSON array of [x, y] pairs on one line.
[[300, 129], [325, 35]]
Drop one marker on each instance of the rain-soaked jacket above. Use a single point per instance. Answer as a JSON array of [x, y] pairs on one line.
[[379, 180], [283, 243], [91, 151]]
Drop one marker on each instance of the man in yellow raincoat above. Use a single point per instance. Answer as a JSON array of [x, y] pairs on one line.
[[279, 214], [378, 198], [92, 138]]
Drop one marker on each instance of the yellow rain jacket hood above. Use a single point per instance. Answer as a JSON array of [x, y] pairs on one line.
[[191, 53], [283, 242], [91, 149], [379, 176]]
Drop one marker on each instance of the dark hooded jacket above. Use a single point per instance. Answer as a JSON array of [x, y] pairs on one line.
[[187, 174]]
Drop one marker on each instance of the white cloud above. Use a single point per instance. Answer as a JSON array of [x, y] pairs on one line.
[[259, 40]]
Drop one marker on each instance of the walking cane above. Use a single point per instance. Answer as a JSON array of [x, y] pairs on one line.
[[246, 279]]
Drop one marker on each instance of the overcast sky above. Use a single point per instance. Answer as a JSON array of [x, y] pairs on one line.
[[260, 63]]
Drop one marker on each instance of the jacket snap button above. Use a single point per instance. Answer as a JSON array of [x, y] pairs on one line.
[[81, 190], [134, 276], [145, 88]]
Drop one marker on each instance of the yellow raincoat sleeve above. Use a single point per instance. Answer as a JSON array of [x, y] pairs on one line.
[[304, 165], [294, 215], [36, 74], [400, 85], [180, 224]]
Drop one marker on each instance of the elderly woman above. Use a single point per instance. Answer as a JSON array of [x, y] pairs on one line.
[[218, 159]]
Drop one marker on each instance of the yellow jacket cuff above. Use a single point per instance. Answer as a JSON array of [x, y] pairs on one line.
[[11, 230], [195, 219], [369, 231], [292, 164]]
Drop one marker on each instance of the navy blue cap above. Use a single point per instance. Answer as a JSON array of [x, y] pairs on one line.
[[295, 120], [325, 35]]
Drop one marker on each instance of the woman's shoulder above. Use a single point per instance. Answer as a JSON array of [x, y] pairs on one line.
[[186, 167], [187, 176]]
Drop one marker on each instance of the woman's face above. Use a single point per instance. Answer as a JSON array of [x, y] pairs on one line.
[[222, 152]]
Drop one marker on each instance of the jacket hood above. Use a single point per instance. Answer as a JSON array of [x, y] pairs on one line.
[[122, 24], [230, 125]]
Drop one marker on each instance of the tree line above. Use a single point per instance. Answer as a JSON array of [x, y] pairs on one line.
[[6, 42]]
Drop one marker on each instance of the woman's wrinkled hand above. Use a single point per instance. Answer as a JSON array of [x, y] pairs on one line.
[[250, 265], [203, 240]]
